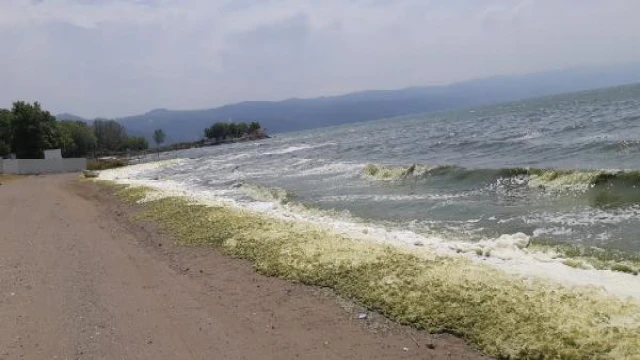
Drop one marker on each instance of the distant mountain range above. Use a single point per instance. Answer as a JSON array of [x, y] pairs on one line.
[[67, 116], [299, 114]]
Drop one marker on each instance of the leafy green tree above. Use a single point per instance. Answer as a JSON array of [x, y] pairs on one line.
[[6, 133], [34, 130], [217, 131], [232, 129], [110, 135], [65, 140], [221, 130], [77, 139], [85, 138], [241, 129], [159, 136], [254, 127], [226, 130], [135, 143]]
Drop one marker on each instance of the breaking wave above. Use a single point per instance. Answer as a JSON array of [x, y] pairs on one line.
[[263, 193], [605, 187], [533, 176]]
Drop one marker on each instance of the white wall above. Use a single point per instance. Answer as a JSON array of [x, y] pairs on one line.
[[53, 154], [10, 166], [43, 166]]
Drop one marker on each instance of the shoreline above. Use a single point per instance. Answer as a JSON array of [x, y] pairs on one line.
[[393, 340], [457, 283], [82, 279], [510, 253]]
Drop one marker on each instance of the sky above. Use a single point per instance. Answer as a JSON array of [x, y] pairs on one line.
[[112, 58]]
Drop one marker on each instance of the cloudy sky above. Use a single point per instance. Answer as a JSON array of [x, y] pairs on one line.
[[121, 57]]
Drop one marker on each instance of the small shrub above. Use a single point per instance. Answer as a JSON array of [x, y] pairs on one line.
[[104, 164], [90, 174]]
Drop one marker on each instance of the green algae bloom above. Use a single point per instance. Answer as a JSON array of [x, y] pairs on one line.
[[379, 172], [503, 315], [591, 256], [577, 264], [624, 268]]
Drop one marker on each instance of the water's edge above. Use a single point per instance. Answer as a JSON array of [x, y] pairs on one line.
[[420, 286]]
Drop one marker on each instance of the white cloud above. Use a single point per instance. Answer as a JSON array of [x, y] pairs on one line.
[[117, 57]]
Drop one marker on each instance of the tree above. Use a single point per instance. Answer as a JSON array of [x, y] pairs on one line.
[[65, 140], [135, 143], [77, 139], [254, 127], [110, 135], [158, 136], [34, 130], [221, 130], [6, 133], [241, 129], [232, 129], [217, 131]]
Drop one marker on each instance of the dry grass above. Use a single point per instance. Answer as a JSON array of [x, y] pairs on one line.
[[501, 314]]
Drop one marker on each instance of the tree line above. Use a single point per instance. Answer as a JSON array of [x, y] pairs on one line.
[[229, 130], [27, 130]]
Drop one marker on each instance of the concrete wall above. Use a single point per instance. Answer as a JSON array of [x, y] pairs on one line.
[[53, 154], [10, 167], [42, 166]]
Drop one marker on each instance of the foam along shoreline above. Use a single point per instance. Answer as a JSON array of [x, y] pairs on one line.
[[508, 253]]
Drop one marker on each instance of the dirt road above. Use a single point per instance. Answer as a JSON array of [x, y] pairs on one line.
[[79, 280]]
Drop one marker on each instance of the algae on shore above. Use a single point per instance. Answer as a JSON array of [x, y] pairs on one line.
[[503, 315], [598, 258]]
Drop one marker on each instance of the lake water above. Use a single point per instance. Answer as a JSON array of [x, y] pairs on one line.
[[559, 169]]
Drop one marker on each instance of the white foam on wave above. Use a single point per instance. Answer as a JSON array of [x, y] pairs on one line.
[[385, 198], [529, 134], [138, 170], [331, 169], [226, 158], [290, 149], [552, 231], [508, 252], [286, 150], [585, 217]]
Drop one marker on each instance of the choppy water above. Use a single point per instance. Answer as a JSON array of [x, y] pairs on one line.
[[560, 169]]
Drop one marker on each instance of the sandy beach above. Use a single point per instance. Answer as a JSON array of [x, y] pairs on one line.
[[80, 280]]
